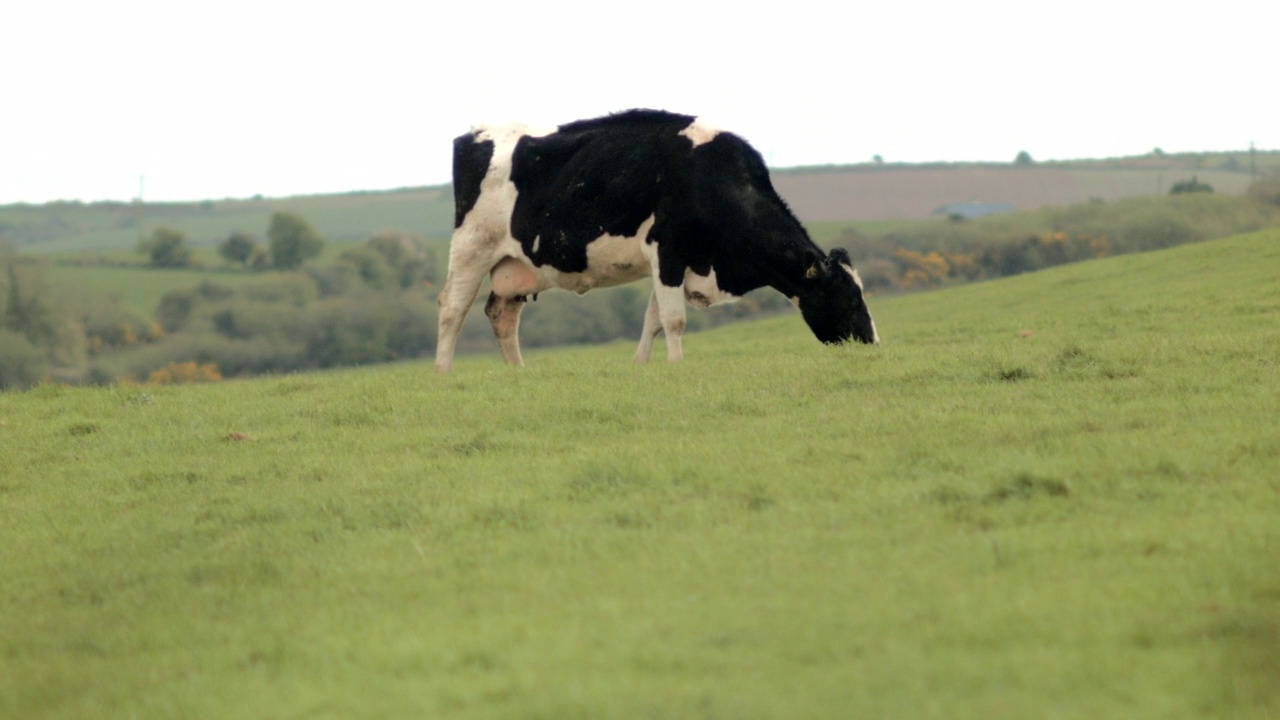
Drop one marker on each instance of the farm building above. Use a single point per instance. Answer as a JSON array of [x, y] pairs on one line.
[[969, 210]]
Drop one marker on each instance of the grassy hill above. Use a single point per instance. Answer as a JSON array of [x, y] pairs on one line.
[[1053, 495]]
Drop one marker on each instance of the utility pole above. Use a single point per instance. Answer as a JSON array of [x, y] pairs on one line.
[[137, 204], [1253, 161]]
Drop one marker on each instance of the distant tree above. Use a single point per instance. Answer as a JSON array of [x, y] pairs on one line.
[[35, 333], [1266, 189], [370, 265], [22, 364], [877, 159], [292, 241], [1023, 159], [1183, 187], [409, 255], [166, 248], [260, 259], [238, 247], [175, 308]]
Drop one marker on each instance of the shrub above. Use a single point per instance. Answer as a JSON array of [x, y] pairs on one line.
[[1266, 189], [22, 364], [1183, 187], [371, 266], [183, 373], [175, 309], [238, 248], [292, 241], [166, 248]]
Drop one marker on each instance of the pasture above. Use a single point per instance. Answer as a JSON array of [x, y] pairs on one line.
[[1054, 495]]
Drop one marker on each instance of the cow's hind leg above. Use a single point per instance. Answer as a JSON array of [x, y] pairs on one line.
[[504, 314], [460, 290]]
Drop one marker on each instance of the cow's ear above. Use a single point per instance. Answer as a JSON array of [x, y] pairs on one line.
[[817, 266]]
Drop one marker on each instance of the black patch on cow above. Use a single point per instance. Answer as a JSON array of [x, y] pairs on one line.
[[714, 207], [591, 178], [470, 165]]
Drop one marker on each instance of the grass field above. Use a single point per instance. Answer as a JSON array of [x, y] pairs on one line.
[[1052, 496], [142, 287]]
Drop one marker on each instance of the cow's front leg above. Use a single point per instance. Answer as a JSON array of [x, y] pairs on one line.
[[652, 326], [670, 302], [504, 314]]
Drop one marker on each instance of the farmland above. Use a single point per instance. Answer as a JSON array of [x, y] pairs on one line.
[[1050, 495], [898, 193]]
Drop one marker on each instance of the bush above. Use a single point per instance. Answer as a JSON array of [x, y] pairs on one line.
[[238, 248], [1184, 187], [184, 373], [34, 309], [109, 323], [22, 364], [233, 358], [371, 266], [344, 331], [291, 241], [1009, 244], [166, 248], [175, 309], [297, 289], [1266, 189]]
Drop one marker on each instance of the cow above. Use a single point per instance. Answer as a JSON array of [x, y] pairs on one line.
[[612, 200]]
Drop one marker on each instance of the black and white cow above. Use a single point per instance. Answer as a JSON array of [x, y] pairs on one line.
[[643, 193]]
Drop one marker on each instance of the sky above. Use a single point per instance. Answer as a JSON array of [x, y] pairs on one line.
[[202, 100]]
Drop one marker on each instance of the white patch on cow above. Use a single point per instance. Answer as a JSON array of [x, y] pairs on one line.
[[611, 260], [497, 183], [704, 291], [507, 134], [857, 279], [537, 240], [699, 132]]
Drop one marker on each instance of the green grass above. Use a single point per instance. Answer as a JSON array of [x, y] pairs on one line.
[[1049, 496], [142, 287], [139, 287]]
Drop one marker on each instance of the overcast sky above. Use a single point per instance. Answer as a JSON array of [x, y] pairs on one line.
[[196, 99]]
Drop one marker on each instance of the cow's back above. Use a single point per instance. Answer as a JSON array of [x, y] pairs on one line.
[[591, 179]]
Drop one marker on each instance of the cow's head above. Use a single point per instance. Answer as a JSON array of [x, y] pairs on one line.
[[832, 301]]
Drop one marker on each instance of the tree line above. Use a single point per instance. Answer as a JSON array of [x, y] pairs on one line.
[[934, 254], [376, 302], [291, 241]]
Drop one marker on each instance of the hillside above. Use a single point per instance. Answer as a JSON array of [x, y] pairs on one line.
[[1049, 495], [861, 193]]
